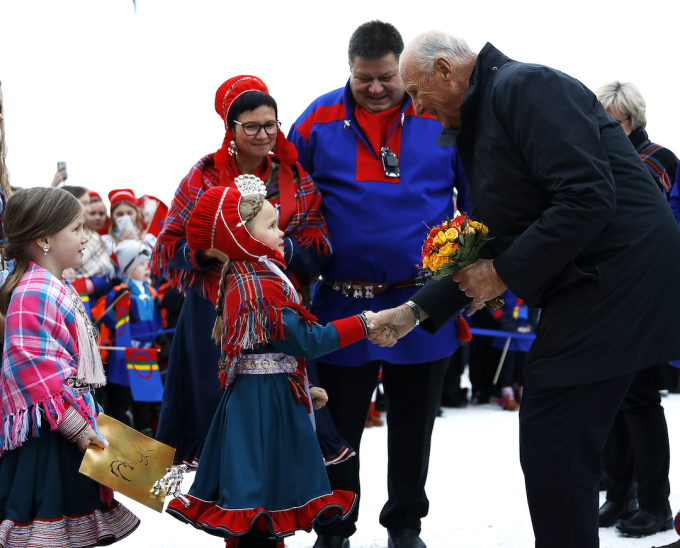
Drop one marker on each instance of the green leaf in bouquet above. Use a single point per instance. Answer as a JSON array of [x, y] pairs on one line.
[[461, 239]]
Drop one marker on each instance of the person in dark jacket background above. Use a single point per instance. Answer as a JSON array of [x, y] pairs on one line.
[[624, 103], [579, 230], [638, 444]]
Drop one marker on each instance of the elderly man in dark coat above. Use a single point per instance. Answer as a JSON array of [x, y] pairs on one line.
[[580, 230]]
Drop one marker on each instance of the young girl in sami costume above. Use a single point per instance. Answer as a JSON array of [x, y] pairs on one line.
[[50, 367], [261, 476], [191, 393]]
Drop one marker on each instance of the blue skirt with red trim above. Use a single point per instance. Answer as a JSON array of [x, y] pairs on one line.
[[261, 472]]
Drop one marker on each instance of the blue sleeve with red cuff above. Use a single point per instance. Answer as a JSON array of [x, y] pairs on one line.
[[186, 258], [304, 341]]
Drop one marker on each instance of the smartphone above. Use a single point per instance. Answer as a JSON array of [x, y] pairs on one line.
[[124, 223], [61, 166]]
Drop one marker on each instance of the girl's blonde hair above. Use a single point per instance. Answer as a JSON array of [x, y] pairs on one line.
[[113, 227], [251, 205], [30, 214], [4, 174]]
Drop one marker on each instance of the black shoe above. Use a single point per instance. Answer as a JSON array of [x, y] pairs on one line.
[[612, 512], [645, 523], [404, 538], [331, 541]]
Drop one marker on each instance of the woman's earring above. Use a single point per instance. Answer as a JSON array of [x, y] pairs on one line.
[[232, 149], [46, 248]]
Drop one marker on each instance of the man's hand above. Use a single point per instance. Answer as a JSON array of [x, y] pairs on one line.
[[392, 324], [479, 281], [319, 397]]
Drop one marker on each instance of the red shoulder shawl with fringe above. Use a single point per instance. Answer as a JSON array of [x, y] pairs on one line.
[[301, 218], [253, 314]]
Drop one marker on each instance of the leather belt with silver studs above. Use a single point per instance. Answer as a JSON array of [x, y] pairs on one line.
[[359, 289]]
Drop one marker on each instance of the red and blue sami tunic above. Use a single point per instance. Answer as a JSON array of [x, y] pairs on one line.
[[377, 223]]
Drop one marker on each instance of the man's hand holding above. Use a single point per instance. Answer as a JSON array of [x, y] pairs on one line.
[[479, 281], [392, 324]]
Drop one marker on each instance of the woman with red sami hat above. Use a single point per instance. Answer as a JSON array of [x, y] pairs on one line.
[[97, 218], [253, 144]]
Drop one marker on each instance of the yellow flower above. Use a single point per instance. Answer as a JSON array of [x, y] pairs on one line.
[[426, 262], [445, 250], [451, 234], [479, 227], [440, 239]]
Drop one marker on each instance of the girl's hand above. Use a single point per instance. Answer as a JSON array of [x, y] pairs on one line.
[[90, 436], [319, 397]]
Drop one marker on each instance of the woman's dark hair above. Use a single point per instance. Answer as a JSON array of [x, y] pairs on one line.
[[30, 214], [77, 191], [374, 40], [249, 101]]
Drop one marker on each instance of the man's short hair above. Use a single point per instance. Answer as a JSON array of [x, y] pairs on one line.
[[374, 40], [627, 99], [430, 46]]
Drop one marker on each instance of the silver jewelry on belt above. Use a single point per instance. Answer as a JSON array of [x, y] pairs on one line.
[[265, 364], [78, 387]]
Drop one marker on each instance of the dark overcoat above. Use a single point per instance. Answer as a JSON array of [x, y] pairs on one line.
[[580, 228]]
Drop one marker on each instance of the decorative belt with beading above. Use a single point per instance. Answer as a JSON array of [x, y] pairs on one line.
[[265, 364]]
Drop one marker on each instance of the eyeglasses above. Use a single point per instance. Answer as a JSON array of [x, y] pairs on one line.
[[621, 121], [251, 129]]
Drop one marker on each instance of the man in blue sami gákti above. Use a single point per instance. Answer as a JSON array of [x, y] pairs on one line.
[[382, 180]]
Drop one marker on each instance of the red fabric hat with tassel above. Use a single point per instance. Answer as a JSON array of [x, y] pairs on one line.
[[216, 222], [226, 94], [122, 195]]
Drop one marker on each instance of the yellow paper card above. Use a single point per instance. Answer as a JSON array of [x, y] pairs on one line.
[[131, 463]]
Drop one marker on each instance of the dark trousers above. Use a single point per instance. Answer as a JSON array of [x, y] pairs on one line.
[[562, 433], [413, 393], [638, 450]]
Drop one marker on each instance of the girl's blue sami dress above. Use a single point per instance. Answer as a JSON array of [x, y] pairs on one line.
[[262, 472]]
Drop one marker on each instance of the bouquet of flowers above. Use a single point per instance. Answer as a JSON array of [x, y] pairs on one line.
[[452, 246]]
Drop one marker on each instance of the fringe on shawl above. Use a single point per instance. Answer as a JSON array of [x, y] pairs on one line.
[[252, 324], [318, 238], [16, 427], [203, 282]]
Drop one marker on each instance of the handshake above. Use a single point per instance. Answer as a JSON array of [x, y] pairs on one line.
[[479, 281], [388, 326]]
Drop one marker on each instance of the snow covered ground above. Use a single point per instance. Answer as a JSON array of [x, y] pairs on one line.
[[475, 487]]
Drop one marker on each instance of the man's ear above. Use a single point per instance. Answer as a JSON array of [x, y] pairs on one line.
[[443, 68]]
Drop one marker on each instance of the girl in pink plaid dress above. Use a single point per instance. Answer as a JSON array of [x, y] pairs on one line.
[[50, 367]]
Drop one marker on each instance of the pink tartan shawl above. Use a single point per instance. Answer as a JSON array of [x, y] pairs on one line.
[[40, 353]]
